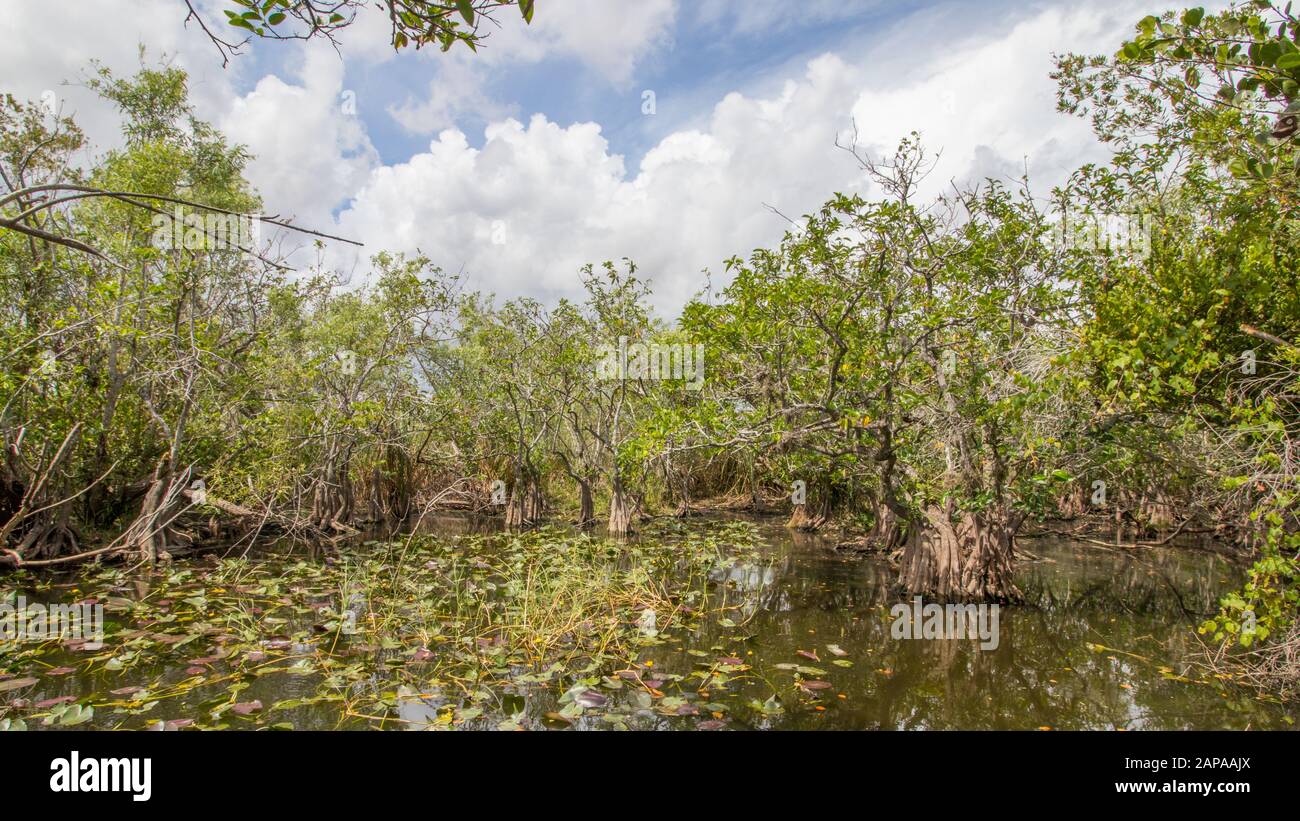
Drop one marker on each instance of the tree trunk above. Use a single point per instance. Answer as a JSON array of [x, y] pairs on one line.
[[398, 484], [972, 560], [515, 507], [1156, 509], [30, 507], [375, 496], [683, 508], [526, 501], [620, 512], [989, 570], [888, 531], [811, 517], [152, 530], [534, 501], [149, 537], [1073, 504], [586, 504]]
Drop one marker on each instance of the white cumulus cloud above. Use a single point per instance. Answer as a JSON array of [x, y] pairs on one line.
[[524, 211], [310, 150]]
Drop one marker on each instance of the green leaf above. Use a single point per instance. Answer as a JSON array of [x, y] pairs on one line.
[[17, 684], [76, 714], [466, 10]]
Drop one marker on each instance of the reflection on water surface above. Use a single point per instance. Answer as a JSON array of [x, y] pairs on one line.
[[796, 636]]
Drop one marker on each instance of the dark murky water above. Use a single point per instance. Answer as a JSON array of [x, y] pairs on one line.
[[1102, 644]]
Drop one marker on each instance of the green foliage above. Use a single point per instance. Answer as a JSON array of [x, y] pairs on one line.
[[442, 23], [1194, 344], [1267, 604], [890, 353]]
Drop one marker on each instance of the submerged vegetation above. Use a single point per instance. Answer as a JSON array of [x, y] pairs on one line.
[[928, 375]]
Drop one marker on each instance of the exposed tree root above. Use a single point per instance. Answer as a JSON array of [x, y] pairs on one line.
[[1273, 667], [801, 519], [971, 560], [620, 513], [1073, 504]]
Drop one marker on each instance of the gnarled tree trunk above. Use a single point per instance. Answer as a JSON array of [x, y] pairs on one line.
[[332, 500], [35, 518], [620, 510], [1073, 504], [399, 484], [1156, 509], [515, 507], [969, 560], [811, 515], [586, 503], [534, 501], [526, 502], [152, 532], [888, 531]]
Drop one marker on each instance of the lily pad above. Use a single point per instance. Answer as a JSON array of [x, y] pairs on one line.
[[17, 684]]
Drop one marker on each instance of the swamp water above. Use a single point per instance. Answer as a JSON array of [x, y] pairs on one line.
[[697, 624]]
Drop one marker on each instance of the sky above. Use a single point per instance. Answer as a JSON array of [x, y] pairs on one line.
[[669, 132]]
